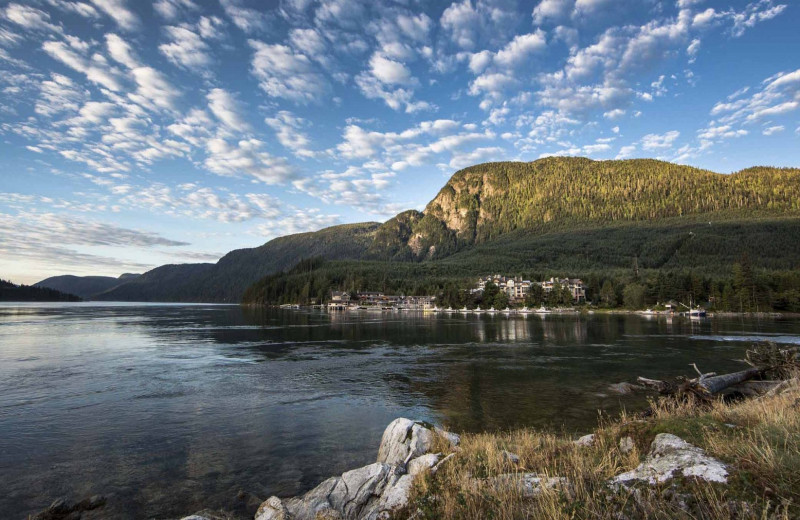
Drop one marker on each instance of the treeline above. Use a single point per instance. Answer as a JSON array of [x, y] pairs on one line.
[[10, 292], [742, 289]]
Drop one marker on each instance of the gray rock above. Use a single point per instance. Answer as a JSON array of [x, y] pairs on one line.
[[272, 509], [509, 457], [626, 445], [403, 440], [586, 440], [370, 492], [423, 463], [670, 455], [530, 485], [394, 497], [453, 438]]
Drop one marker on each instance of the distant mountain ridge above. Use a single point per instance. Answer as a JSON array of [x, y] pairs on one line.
[[84, 286], [513, 201]]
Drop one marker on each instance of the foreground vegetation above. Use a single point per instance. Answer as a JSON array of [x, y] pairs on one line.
[[758, 439]]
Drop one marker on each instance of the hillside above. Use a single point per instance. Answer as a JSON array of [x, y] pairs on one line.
[[227, 280], [554, 215], [84, 286], [487, 201], [10, 292]]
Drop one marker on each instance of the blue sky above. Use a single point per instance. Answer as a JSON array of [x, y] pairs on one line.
[[139, 133]]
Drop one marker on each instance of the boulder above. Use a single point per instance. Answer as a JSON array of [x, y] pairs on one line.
[[403, 440], [670, 455], [371, 492]]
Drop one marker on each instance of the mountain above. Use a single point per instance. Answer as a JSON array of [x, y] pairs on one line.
[[484, 202], [551, 215], [227, 280], [84, 286], [10, 292]]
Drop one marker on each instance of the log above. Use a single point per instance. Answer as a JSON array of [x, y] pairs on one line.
[[703, 386], [716, 384]]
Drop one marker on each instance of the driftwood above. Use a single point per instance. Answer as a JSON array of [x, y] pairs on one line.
[[766, 359], [706, 385]]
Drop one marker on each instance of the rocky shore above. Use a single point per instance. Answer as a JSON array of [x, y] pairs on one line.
[[410, 449]]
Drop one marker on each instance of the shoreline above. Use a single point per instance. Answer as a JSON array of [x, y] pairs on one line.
[[683, 458]]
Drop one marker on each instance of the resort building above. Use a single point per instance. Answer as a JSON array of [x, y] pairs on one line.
[[517, 288]]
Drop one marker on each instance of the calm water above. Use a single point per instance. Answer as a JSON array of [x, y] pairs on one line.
[[167, 409]]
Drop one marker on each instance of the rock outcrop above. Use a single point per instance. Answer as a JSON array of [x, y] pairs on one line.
[[370, 492], [671, 456]]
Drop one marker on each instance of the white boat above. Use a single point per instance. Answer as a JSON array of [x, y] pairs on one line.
[[696, 314], [465, 311], [492, 310], [542, 310], [507, 310], [478, 310], [524, 310]]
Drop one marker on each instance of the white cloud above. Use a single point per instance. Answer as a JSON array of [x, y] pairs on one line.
[[626, 151], [96, 68], [172, 9], [653, 142], [120, 51], [772, 130], [186, 48], [755, 13], [389, 71], [119, 12], [472, 23], [552, 10], [247, 157], [476, 156], [80, 8], [225, 107], [286, 74], [29, 17], [288, 130], [519, 49], [245, 18]]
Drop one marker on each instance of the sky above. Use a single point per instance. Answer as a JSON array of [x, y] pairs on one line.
[[139, 133]]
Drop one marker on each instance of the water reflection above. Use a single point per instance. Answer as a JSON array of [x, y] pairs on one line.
[[170, 409]]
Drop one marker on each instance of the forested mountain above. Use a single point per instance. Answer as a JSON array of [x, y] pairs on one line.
[[553, 215], [84, 286], [227, 280], [10, 292], [486, 201]]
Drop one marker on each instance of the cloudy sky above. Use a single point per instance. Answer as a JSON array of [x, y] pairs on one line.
[[139, 133]]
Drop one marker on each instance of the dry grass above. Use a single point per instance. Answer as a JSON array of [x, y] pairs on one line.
[[758, 438]]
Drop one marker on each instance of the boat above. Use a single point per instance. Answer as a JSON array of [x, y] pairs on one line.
[[524, 310], [492, 310], [542, 310], [696, 314], [465, 311], [507, 310], [478, 310]]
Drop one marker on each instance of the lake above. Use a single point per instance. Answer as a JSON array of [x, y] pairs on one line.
[[167, 409]]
